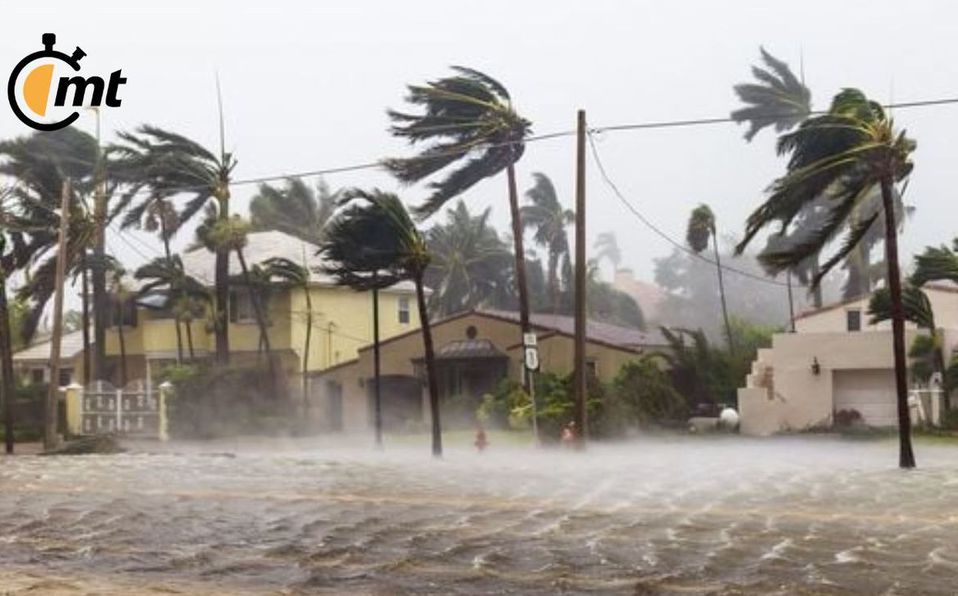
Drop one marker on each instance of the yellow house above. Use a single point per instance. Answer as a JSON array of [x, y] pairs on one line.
[[474, 351], [341, 317]]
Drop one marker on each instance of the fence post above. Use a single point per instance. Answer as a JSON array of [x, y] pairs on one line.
[[164, 421], [74, 408]]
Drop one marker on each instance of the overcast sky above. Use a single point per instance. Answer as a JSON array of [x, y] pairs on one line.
[[306, 85]]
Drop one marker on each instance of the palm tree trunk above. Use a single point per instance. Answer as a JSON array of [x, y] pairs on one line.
[[554, 280], [906, 456], [222, 299], [721, 281], [179, 341], [520, 265], [119, 330], [6, 367], [169, 256], [85, 282], [430, 360], [377, 395], [260, 316], [189, 339], [817, 290], [309, 337]]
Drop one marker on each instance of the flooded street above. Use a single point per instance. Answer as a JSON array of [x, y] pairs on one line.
[[684, 516]]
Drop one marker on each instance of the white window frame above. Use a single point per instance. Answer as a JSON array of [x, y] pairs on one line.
[[403, 308]]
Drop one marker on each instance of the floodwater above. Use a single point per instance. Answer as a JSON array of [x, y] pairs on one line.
[[697, 515]]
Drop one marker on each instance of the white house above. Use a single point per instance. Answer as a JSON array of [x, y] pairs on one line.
[[834, 361]]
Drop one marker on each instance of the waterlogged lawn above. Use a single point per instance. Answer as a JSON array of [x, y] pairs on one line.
[[463, 438]]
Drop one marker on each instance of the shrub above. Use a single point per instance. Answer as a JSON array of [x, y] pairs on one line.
[[647, 397], [847, 418]]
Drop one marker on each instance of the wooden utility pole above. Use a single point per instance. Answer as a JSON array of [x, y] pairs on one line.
[[579, 366], [50, 435]]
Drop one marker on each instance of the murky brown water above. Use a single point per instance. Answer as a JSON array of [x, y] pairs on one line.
[[685, 516]]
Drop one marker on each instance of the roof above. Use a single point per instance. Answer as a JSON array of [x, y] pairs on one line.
[[469, 348], [938, 286], [71, 344], [261, 246], [615, 336]]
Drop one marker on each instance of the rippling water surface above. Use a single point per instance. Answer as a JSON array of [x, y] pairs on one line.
[[683, 516]]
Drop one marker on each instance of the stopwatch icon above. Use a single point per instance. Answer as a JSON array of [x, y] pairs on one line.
[[73, 61]]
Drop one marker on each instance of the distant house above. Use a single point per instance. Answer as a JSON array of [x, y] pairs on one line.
[[31, 365], [647, 295], [834, 361], [475, 351], [341, 323]]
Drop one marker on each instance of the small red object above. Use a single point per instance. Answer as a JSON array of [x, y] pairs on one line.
[[481, 441]]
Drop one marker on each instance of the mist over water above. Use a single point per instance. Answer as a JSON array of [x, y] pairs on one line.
[[699, 515]]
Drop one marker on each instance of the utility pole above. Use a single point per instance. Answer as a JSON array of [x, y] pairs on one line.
[[377, 395], [580, 284], [100, 306], [791, 303], [50, 437]]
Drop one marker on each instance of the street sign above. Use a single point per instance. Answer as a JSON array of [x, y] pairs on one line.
[[529, 339], [532, 358]]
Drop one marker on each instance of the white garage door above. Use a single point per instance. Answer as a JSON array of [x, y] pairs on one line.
[[871, 392]]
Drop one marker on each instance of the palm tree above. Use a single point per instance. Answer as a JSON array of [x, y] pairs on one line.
[[470, 263], [474, 133], [187, 309], [166, 164], [701, 229], [374, 244], [168, 274], [844, 154], [779, 99], [607, 247], [295, 209], [120, 296], [296, 276], [547, 217], [918, 310]]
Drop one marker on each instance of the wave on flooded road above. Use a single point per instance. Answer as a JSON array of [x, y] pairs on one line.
[[684, 516]]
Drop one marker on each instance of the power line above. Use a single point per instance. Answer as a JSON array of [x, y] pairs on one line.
[[628, 204]]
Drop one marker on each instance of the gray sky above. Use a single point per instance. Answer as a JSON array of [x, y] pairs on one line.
[[306, 84]]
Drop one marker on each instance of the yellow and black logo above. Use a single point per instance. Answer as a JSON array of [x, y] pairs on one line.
[[32, 83]]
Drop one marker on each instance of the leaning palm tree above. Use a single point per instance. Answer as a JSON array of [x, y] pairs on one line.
[[778, 99], [918, 310], [470, 264], [701, 230], [165, 165], [372, 244], [296, 209], [296, 276], [474, 133], [168, 275], [549, 220], [844, 154], [607, 247]]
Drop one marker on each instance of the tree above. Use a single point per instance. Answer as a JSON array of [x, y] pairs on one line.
[[470, 263], [167, 274], [474, 133], [548, 219], [296, 276], [701, 229], [607, 247], [844, 154], [167, 165], [917, 310], [779, 99], [296, 209], [120, 296], [374, 244]]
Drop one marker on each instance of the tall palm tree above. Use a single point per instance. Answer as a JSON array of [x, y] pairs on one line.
[[844, 154], [187, 309], [374, 244], [296, 209], [470, 264], [779, 99], [549, 220], [474, 133], [168, 275], [166, 165], [607, 247], [120, 296], [296, 276], [701, 229]]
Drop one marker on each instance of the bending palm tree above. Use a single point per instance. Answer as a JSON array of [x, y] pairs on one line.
[[168, 165], [470, 264], [295, 209], [374, 244], [701, 229], [844, 154], [475, 133], [168, 273], [549, 220], [607, 247], [296, 276]]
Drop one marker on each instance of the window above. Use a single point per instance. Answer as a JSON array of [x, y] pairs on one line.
[[404, 310], [125, 312], [592, 368], [241, 307], [66, 376], [37, 376], [854, 319]]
